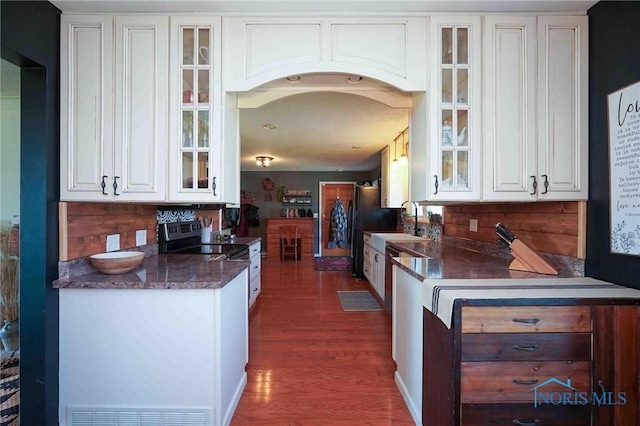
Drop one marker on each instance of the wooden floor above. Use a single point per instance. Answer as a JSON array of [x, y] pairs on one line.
[[312, 363]]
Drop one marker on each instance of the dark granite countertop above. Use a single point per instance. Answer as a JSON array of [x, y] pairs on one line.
[[247, 240], [435, 260], [165, 271]]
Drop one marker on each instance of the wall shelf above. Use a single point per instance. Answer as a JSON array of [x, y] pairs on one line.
[[297, 197]]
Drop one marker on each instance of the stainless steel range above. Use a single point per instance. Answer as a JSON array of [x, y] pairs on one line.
[[184, 238]]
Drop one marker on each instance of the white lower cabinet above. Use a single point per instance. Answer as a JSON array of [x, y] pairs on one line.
[[367, 268], [373, 267], [113, 127], [255, 282], [535, 134], [379, 262], [407, 338], [153, 353]]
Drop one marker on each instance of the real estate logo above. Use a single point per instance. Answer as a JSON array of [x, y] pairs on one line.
[[572, 396]]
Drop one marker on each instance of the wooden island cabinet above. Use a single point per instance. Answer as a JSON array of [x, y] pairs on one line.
[[305, 228], [546, 362]]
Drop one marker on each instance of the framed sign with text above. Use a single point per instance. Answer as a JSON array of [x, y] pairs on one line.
[[624, 169]]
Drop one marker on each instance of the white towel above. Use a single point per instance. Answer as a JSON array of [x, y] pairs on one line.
[[439, 296]]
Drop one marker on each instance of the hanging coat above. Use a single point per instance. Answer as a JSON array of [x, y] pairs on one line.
[[338, 226]]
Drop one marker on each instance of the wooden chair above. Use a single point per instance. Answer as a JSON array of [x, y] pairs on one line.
[[289, 240]]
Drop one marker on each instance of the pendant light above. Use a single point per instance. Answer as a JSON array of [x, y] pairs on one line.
[[394, 163], [404, 160]]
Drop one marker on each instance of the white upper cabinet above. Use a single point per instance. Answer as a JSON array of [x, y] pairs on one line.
[[86, 107], [259, 50], [563, 108], [113, 108], [509, 108], [141, 80], [535, 140], [446, 151], [195, 147]]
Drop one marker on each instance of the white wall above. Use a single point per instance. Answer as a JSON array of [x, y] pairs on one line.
[[9, 141]]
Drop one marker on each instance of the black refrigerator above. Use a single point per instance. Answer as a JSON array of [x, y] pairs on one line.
[[366, 215]]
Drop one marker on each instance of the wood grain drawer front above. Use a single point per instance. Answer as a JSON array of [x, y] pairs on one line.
[[525, 415], [514, 381], [526, 346], [526, 319]]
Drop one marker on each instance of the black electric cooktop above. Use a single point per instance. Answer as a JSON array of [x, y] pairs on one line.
[[184, 238], [231, 250]]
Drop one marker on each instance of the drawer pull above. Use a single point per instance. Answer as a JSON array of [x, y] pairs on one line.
[[533, 422], [525, 382], [529, 348], [527, 320]]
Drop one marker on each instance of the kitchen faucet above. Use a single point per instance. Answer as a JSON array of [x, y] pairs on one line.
[[415, 217]]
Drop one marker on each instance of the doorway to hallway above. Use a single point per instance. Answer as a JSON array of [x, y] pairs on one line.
[[336, 202]]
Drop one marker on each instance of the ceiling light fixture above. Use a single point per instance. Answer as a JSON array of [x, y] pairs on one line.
[[263, 161], [269, 126], [404, 160]]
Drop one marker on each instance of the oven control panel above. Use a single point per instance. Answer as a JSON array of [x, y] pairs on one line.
[[180, 230]]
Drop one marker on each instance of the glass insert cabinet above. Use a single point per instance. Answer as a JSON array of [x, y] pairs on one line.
[[195, 109], [455, 84]]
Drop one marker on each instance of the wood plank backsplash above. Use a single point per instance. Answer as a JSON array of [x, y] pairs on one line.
[[84, 226], [553, 227]]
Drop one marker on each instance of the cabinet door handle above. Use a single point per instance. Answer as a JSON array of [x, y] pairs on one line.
[[535, 186], [533, 422], [525, 382], [376, 257], [529, 348], [103, 185], [213, 186], [546, 184], [115, 185], [526, 320], [436, 184]]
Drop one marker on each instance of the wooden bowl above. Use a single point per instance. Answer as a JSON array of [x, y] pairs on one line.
[[116, 262]]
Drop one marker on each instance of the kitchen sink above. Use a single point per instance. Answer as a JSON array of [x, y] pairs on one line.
[[379, 239]]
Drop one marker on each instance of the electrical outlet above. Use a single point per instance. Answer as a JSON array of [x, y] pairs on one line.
[[141, 237], [473, 225], [113, 242]]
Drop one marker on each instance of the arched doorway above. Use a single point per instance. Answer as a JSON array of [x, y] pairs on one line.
[[317, 125]]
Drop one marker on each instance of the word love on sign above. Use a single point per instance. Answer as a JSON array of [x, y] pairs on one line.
[[624, 157]]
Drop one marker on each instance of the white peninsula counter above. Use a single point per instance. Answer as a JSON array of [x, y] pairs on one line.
[[164, 344]]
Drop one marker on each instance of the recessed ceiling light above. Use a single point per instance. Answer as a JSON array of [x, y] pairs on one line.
[[354, 79], [355, 147], [294, 78], [269, 126]]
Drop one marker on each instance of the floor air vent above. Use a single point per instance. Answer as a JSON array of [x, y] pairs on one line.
[[138, 416]]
